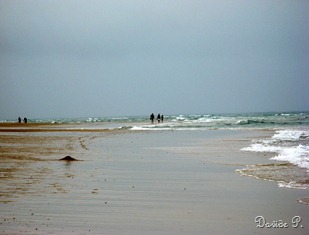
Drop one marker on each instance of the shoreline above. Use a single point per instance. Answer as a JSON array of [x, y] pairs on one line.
[[137, 182], [50, 127]]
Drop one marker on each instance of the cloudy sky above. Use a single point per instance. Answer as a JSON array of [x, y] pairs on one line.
[[106, 58]]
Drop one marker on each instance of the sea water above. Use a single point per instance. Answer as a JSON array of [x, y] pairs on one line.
[[288, 148], [192, 121], [230, 121]]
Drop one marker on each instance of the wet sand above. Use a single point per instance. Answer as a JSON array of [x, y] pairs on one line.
[[129, 182]]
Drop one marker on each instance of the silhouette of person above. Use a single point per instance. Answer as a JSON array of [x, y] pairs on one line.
[[19, 120], [25, 120], [159, 118], [152, 118], [162, 118]]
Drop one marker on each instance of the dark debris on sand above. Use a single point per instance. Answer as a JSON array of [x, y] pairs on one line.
[[68, 158]]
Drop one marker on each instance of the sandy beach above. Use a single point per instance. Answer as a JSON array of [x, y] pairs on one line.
[[139, 182]]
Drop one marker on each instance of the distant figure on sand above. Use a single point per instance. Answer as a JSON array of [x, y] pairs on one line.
[[25, 120], [162, 118], [152, 118], [19, 120], [159, 118]]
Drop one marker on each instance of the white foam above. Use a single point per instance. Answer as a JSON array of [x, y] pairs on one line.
[[293, 185], [298, 155], [202, 120], [263, 148], [290, 135], [242, 122], [296, 152], [141, 128]]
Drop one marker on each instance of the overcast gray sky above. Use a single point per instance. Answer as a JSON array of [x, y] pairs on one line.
[[105, 58]]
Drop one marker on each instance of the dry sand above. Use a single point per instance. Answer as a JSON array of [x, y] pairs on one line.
[[127, 182]]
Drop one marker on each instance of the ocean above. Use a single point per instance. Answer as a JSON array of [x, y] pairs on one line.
[[287, 148], [276, 121]]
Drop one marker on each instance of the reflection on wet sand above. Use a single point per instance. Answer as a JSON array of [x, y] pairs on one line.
[[27, 160]]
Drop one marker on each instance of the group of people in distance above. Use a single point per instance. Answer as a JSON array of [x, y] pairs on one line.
[[160, 118], [25, 120]]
